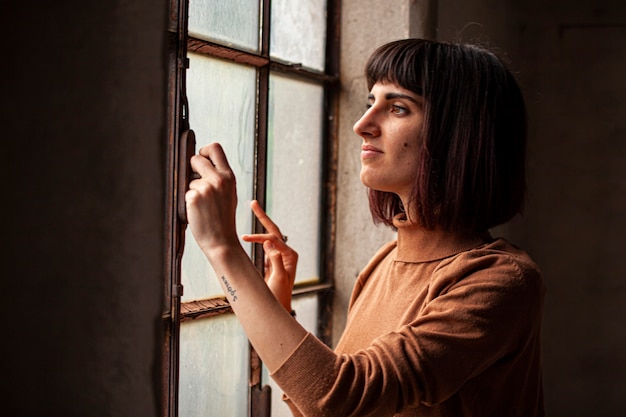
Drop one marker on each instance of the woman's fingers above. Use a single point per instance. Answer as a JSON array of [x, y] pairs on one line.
[[277, 277], [215, 154], [290, 256], [275, 258], [265, 220], [262, 237], [274, 238], [201, 165], [272, 231], [210, 164]]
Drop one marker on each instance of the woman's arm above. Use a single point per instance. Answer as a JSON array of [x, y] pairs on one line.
[[211, 203]]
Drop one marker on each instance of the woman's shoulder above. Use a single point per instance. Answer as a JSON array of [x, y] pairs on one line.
[[497, 277], [498, 259]]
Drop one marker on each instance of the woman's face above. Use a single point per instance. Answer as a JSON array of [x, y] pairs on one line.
[[390, 129]]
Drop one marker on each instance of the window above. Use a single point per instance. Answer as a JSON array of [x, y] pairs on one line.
[[262, 80]]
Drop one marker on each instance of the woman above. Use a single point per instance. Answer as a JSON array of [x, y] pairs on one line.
[[444, 321]]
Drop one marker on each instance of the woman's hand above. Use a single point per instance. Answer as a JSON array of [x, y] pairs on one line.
[[280, 259], [212, 200]]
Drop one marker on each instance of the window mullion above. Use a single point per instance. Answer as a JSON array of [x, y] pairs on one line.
[[259, 400], [177, 124], [260, 396], [332, 89]]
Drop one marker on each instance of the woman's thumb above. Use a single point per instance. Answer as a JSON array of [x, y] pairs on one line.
[[275, 257]]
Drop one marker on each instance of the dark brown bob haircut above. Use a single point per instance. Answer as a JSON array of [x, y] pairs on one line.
[[471, 173]]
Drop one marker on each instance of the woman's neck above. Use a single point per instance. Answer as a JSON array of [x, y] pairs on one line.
[[417, 244]]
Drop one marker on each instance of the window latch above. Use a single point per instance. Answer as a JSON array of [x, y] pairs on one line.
[[187, 148]]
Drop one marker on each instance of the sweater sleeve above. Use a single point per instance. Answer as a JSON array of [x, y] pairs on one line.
[[480, 309]]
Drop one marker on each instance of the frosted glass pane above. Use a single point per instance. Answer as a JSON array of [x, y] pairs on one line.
[[221, 109], [305, 307], [213, 368], [231, 22], [298, 32], [306, 310], [294, 167]]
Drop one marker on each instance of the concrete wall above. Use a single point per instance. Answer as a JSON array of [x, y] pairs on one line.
[[84, 99], [570, 60]]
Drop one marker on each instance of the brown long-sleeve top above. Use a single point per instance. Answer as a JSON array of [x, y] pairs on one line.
[[438, 326]]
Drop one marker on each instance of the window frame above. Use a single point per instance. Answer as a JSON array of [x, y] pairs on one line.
[[176, 312]]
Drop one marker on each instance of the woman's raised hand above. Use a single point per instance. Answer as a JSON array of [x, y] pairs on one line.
[[212, 200], [280, 259]]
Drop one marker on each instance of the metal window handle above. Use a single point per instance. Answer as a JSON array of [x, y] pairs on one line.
[[187, 148]]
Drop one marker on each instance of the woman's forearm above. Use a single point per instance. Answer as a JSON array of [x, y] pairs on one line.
[[269, 327]]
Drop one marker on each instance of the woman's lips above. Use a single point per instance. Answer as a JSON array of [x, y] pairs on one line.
[[368, 151]]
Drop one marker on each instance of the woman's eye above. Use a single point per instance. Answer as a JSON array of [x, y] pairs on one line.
[[395, 109]]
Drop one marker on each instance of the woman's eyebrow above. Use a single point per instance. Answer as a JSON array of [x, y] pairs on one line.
[[392, 96]]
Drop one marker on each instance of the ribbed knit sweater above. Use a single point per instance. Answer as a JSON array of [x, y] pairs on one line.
[[438, 325]]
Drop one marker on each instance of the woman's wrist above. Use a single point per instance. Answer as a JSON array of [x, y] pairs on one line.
[[224, 252]]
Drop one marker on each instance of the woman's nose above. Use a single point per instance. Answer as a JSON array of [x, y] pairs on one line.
[[367, 125]]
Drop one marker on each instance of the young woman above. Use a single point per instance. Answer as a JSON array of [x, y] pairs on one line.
[[443, 321]]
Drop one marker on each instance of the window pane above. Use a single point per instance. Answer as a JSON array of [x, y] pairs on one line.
[[298, 32], [221, 109], [306, 310], [231, 22], [294, 167], [213, 368]]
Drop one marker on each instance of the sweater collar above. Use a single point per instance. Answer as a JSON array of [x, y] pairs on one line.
[[415, 244]]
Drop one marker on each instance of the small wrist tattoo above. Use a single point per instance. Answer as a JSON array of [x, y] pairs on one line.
[[229, 289]]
